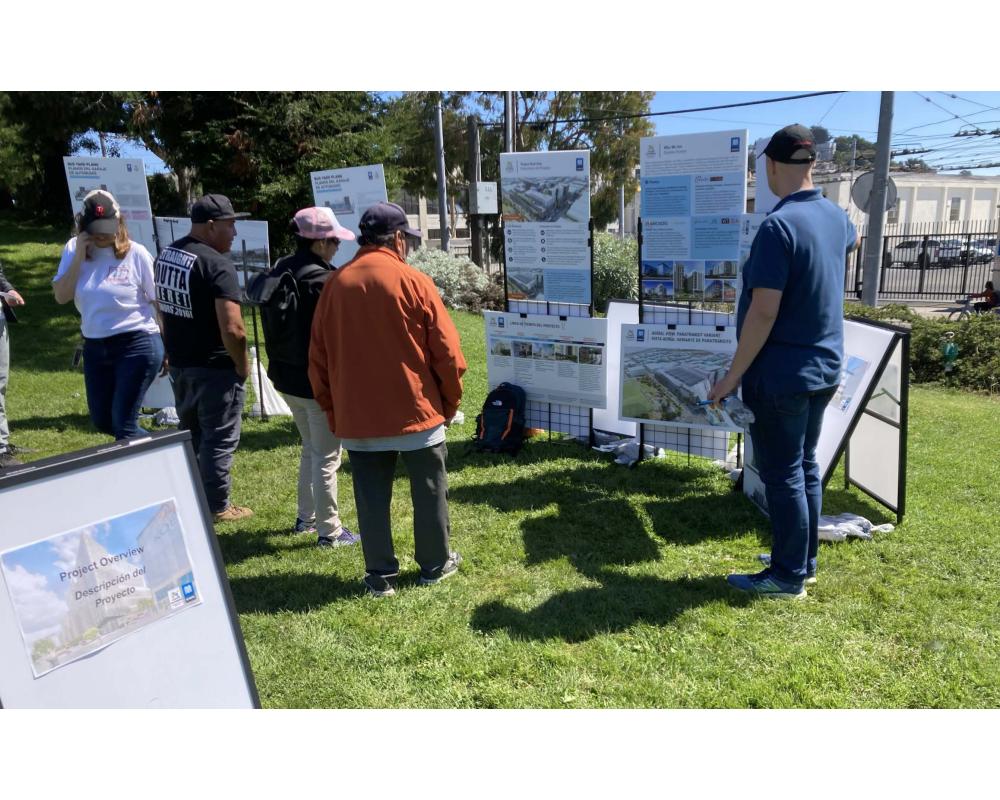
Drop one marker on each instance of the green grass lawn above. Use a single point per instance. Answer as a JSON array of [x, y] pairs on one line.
[[584, 584]]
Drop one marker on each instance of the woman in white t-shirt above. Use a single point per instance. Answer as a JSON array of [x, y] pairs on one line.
[[110, 278]]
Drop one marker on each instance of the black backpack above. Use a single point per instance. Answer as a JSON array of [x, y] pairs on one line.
[[500, 426], [276, 293]]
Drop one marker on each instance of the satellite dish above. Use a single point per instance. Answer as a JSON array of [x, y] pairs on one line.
[[861, 192]]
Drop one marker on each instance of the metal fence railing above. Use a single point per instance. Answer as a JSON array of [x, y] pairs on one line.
[[929, 260]]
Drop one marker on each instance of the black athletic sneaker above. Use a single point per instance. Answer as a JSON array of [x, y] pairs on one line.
[[450, 568]]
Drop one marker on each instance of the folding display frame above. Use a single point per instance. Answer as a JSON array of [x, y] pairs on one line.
[[192, 656], [873, 432], [872, 426]]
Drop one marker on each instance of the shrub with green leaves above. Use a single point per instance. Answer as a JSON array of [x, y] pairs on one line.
[[460, 282], [616, 269], [977, 338]]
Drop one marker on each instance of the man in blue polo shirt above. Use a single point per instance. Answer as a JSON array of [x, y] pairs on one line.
[[790, 329]]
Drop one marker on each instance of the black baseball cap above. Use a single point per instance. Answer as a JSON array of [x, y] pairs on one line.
[[793, 144], [100, 213], [383, 218], [214, 206]]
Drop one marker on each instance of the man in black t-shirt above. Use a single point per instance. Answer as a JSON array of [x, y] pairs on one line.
[[205, 341]]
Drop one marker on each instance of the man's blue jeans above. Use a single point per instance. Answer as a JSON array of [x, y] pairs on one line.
[[117, 371], [785, 434]]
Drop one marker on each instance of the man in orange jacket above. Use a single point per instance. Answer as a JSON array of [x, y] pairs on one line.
[[386, 365]]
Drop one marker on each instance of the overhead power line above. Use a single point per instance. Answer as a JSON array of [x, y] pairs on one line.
[[663, 113]]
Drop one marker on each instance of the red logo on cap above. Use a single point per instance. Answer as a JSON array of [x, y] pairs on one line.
[[99, 210]]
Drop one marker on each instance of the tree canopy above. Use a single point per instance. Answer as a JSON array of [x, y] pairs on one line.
[[259, 147]]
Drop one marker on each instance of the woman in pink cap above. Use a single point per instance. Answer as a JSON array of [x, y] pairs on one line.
[[110, 278], [287, 326]]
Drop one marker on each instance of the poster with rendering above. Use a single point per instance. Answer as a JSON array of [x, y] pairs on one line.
[[125, 179], [82, 590], [693, 194], [668, 370], [554, 359], [251, 239], [349, 193], [545, 200]]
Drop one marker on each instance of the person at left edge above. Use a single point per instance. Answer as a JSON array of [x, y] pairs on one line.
[[110, 278], [199, 298], [11, 298]]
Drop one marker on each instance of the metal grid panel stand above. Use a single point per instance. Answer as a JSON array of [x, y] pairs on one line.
[[575, 421]]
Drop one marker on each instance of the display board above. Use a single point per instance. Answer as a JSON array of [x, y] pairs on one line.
[[349, 193], [620, 313], [693, 195], [764, 199], [251, 240], [667, 372], [125, 178], [545, 200], [554, 360], [116, 599], [875, 460], [868, 352]]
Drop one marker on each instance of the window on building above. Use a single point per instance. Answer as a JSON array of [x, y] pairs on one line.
[[955, 214], [893, 216]]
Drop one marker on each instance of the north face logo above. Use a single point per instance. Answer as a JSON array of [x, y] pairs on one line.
[[497, 403]]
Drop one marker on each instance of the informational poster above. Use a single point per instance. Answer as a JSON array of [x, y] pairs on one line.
[[84, 589], [348, 193], [667, 372], [693, 196], [764, 199], [748, 231], [546, 212], [125, 179], [251, 239], [555, 360]]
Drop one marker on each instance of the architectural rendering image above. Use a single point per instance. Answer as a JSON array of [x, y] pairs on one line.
[[657, 291], [525, 283], [561, 199], [667, 384], [77, 592], [689, 280]]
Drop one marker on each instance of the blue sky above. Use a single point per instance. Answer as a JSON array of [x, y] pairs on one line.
[[921, 120]]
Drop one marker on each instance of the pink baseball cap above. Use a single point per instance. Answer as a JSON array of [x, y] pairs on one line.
[[319, 222]]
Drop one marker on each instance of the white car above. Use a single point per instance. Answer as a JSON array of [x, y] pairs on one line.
[[914, 251]]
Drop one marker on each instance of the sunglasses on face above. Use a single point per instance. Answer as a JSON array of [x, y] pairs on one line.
[[333, 240]]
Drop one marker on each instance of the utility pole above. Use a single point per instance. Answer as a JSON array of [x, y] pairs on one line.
[[621, 190], [510, 145], [442, 182], [475, 174], [872, 264]]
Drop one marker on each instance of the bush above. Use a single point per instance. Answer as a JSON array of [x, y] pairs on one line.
[[460, 282], [616, 269], [978, 340]]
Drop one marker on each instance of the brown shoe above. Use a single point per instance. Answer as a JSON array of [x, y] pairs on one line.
[[233, 513]]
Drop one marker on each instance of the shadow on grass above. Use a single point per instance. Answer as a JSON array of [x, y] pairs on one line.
[[239, 545], [840, 500], [618, 604], [596, 523], [298, 592], [60, 424]]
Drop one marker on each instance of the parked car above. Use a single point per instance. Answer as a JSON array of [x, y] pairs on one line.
[[949, 252], [956, 252], [914, 251]]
